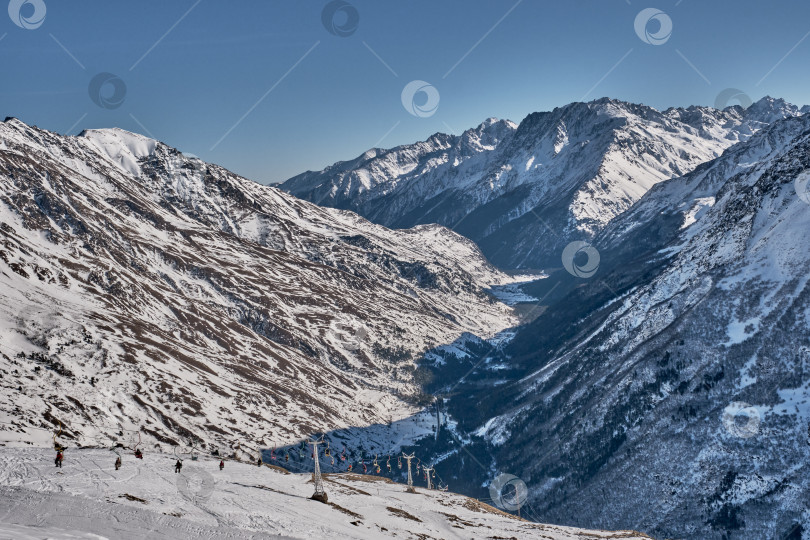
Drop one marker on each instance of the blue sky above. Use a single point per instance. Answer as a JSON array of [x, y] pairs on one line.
[[196, 71]]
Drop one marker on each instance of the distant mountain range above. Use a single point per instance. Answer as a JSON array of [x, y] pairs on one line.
[[523, 192]]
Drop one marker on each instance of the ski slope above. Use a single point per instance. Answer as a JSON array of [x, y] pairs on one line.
[[88, 499]]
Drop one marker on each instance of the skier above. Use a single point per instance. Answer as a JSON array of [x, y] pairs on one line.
[[117, 463], [221, 464], [59, 458], [138, 454], [259, 461], [178, 466]]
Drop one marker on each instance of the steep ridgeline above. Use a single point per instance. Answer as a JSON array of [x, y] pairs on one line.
[[524, 192], [682, 406], [143, 288]]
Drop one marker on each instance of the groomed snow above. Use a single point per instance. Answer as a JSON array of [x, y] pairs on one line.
[[87, 499]]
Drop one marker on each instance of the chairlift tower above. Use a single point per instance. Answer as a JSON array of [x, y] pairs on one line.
[[428, 470], [320, 494], [408, 458]]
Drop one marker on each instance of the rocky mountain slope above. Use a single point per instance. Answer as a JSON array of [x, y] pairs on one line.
[[670, 392], [144, 293], [523, 192]]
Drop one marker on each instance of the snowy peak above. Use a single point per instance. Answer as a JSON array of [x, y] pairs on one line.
[[768, 110], [122, 147], [136, 144], [380, 171], [486, 136], [576, 167]]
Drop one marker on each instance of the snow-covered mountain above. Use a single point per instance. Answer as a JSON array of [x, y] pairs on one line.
[[668, 393], [141, 289], [523, 192], [671, 393]]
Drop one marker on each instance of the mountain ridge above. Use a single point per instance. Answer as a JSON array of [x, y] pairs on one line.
[[674, 380], [147, 290], [572, 170]]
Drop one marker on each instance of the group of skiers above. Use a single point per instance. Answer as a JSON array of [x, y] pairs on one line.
[[138, 454]]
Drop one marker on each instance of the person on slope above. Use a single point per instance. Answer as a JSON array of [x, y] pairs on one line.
[[259, 461], [117, 463], [221, 464], [59, 458], [138, 454], [178, 466]]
